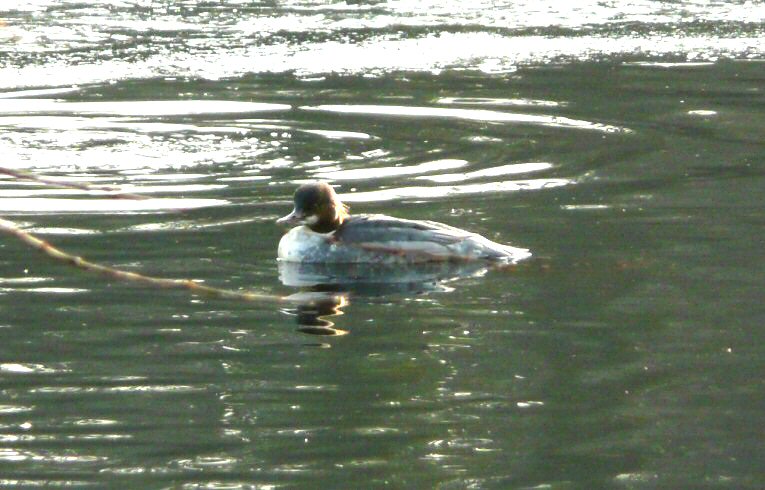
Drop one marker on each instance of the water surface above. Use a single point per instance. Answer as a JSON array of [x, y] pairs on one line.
[[621, 144]]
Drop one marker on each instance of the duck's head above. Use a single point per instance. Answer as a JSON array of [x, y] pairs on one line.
[[317, 207]]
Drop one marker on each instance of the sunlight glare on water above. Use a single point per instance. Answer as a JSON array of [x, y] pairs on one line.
[[243, 39], [466, 114]]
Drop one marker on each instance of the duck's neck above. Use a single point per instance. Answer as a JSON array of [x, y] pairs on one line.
[[330, 221]]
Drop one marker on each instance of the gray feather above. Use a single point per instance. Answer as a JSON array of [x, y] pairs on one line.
[[382, 229]]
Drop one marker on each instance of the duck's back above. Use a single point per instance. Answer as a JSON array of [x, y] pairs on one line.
[[420, 241]]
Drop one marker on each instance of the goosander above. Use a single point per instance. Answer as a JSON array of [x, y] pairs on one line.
[[327, 233]]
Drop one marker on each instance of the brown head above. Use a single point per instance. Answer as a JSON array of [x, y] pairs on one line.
[[317, 207]]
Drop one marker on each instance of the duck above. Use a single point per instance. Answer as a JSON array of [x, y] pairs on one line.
[[324, 231]]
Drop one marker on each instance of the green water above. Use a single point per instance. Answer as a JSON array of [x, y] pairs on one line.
[[622, 146]]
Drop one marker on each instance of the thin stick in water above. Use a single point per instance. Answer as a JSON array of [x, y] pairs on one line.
[[61, 256]]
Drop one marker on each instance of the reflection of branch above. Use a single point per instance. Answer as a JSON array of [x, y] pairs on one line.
[[57, 254], [115, 191]]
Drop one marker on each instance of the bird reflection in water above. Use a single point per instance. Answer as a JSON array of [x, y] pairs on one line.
[[313, 308], [328, 288]]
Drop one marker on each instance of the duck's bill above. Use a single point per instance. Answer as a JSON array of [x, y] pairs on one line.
[[294, 218]]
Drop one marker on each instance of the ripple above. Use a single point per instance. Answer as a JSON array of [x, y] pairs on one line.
[[24, 280], [663, 64], [423, 192], [246, 178], [7, 409], [48, 290], [45, 482], [498, 102], [376, 431], [27, 368], [338, 135], [702, 113], [103, 206], [36, 93], [188, 225], [28, 438], [315, 387], [96, 144], [118, 389], [529, 404], [94, 422], [378, 172], [138, 107], [67, 123], [8, 454], [482, 115], [203, 462], [514, 168], [585, 207], [61, 231], [22, 193]]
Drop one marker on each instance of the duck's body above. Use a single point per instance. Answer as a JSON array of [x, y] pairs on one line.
[[330, 235]]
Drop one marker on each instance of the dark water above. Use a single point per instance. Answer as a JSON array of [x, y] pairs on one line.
[[621, 144]]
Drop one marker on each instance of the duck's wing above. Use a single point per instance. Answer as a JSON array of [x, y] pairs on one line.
[[421, 240], [380, 228], [387, 234]]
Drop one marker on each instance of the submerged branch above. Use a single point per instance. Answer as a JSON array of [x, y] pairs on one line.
[[327, 304], [192, 286]]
